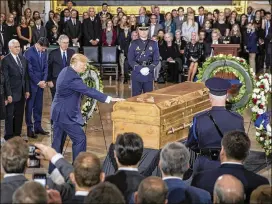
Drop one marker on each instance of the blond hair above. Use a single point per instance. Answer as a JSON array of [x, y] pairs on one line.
[[78, 58]]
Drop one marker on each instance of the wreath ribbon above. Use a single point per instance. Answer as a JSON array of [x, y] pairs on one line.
[[263, 119]]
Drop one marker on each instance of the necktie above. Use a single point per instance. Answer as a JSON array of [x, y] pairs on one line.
[[19, 64], [40, 55], [64, 61], [266, 28], [74, 22]]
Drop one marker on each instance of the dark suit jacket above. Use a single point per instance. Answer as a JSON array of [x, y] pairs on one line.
[[9, 185], [197, 19], [157, 28], [66, 104], [92, 30], [146, 19], [109, 15], [16, 83], [124, 42], [126, 181], [208, 48], [180, 192], [73, 31], [179, 23], [36, 35], [206, 179], [49, 26], [55, 64], [37, 69], [62, 14]]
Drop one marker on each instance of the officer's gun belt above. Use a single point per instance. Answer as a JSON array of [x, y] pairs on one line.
[[144, 63], [212, 153]]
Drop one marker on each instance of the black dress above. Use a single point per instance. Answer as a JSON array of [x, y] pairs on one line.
[[208, 35], [195, 51], [53, 39], [222, 27], [25, 33], [9, 34]]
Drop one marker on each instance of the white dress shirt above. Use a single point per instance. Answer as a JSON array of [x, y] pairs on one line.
[[152, 29]]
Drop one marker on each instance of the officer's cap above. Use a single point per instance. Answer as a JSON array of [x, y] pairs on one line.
[[218, 86], [143, 26]]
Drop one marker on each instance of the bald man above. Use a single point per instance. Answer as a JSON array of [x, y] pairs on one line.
[[228, 189], [151, 190]]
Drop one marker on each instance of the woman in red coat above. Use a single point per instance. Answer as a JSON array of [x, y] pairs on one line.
[[109, 35]]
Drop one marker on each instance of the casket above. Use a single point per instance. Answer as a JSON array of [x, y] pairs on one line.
[[161, 116]]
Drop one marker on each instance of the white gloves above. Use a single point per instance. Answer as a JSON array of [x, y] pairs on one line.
[[144, 71]]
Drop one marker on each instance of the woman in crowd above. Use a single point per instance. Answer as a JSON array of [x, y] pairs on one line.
[[215, 15], [27, 14], [10, 30], [103, 18], [171, 57], [193, 53], [51, 15], [115, 22], [123, 21], [250, 43], [209, 17], [160, 36], [85, 15], [169, 25], [235, 35], [32, 23], [132, 22], [36, 16], [24, 33], [189, 27], [258, 21], [243, 23], [120, 15], [178, 40], [16, 17], [208, 31], [222, 25], [233, 18], [109, 35], [54, 36]]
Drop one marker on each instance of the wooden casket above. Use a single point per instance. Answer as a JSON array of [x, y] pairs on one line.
[[161, 116]]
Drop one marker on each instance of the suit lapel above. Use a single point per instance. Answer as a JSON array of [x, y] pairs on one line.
[[15, 63]]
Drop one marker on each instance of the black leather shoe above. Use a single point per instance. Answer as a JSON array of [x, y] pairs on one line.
[[42, 132], [31, 134]]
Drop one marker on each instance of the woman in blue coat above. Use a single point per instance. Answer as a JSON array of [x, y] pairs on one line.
[[169, 25]]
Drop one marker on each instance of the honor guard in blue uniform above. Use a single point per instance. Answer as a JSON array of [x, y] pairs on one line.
[[208, 127], [143, 57]]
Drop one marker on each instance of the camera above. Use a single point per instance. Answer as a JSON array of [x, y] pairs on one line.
[[40, 178], [33, 161]]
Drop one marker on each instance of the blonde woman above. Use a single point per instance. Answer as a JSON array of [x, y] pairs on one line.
[[115, 22], [235, 35], [222, 25], [189, 27], [103, 19], [132, 22]]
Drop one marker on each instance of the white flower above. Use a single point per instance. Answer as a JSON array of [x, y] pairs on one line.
[[258, 134], [220, 55], [268, 128], [261, 77], [258, 96], [251, 70], [261, 139], [254, 95], [260, 111]]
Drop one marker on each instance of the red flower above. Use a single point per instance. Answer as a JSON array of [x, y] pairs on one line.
[[257, 115], [262, 86], [241, 60], [261, 106], [254, 100]]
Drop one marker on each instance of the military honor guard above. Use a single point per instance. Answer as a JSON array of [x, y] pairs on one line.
[[208, 127], [66, 109], [143, 57]]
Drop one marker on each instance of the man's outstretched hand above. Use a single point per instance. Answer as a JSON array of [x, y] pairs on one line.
[[117, 99]]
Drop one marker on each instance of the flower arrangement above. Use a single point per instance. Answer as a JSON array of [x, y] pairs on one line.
[[91, 77], [260, 116], [227, 68]]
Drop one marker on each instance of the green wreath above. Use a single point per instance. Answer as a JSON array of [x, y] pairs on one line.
[[238, 68], [91, 77]]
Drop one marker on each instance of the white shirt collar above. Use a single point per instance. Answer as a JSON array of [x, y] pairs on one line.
[[82, 193], [231, 163], [62, 51], [171, 177], [13, 55], [13, 174], [127, 169]]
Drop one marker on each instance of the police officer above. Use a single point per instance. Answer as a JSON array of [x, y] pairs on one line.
[[208, 127], [143, 57]]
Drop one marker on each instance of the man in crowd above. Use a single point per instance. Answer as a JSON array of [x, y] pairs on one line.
[[235, 149], [250, 14], [151, 190], [180, 19], [92, 29], [228, 189], [200, 19], [174, 162], [159, 16], [143, 57], [38, 31], [208, 50], [105, 11], [17, 86], [50, 24], [57, 60], [73, 29], [208, 127], [14, 156], [154, 27], [37, 69], [70, 8], [63, 21], [142, 18], [128, 152]]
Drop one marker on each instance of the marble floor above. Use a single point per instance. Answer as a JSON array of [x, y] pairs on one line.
[[99, 128]]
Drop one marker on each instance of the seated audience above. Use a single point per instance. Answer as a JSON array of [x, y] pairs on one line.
[[179, 41], [128, 152], [160, 37], [14, 157], [151, 190], [208, 50], [193, 54], [104, 193], [228, 189], [109, 35], [54, 36], [30, 192], [235, 149], [174, 162], [262, 194]]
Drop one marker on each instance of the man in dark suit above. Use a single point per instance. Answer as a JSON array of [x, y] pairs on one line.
[[208, 50], [92, 29], [73, 29], [58, 59], [154, 27], [174, 162], [235, 148], [37, 70], [38, 31], [151, 190], [142, 18], [128, 152], [14, 156], [50, 24], [200, 19], [160, 16], [70, 5], [64, 20], [105, 11], [17, 86], [80, 178], [180, 19], [65, 110]]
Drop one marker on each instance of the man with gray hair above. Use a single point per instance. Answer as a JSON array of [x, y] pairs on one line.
[[228, 189], [17, 85], [208, 127], [57, 60], [174, 162]]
